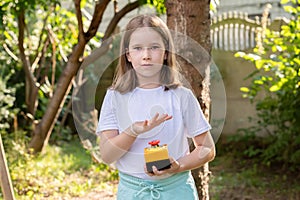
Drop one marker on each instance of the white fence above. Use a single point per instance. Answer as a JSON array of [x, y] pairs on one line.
[[234, 31]]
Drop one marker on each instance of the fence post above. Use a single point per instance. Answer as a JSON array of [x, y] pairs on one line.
[[7, 189]]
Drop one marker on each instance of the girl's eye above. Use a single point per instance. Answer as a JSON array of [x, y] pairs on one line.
[[137, 48], [155, 47]]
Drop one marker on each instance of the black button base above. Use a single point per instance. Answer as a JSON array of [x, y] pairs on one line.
[[159, 164]]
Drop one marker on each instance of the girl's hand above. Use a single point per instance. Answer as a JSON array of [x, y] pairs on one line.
[[144, 126], [174, 169]]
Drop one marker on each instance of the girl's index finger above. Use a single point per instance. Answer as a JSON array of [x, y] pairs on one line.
[[168, 117]]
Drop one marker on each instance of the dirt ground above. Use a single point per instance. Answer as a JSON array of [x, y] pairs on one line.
[[97, 195]]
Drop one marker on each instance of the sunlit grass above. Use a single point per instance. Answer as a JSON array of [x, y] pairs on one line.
[[60, 171], [68, 170]]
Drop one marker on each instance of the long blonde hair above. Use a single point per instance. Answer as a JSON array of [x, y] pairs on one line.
[[125, 79]]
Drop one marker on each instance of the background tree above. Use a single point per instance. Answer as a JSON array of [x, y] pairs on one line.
[[192, 18]]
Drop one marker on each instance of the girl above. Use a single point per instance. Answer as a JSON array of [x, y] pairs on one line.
[[147, 102]]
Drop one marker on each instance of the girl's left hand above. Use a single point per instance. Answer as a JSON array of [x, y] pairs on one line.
[[174, 169]]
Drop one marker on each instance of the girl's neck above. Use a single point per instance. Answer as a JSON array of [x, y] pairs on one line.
[[149, 85]]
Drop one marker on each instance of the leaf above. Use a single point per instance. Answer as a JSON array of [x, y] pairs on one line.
[[290, 9], [244, 89], [284, 1], [259, 64], [7, 35], [297, 60], [259, 82], [239, 54]]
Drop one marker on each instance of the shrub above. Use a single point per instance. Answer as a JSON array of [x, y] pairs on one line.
[[277, 75], [7, 98]]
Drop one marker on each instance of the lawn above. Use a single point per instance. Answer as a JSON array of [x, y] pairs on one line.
[[235, 176], [67, 171]]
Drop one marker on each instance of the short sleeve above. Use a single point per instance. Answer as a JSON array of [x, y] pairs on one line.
[[107, 119], [193, 117]]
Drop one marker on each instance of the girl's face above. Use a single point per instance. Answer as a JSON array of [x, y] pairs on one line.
[[146, 52]]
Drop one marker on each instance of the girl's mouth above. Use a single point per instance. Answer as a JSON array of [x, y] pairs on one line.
[[147, 65]]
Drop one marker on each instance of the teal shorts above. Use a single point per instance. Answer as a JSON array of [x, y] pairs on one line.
[[177, 187]]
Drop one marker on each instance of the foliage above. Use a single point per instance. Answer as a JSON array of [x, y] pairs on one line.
[[61, 171], [35, 41], [275, 89], [8, 70], [159, 5], [50, 34], [7, 98], [214, 5]]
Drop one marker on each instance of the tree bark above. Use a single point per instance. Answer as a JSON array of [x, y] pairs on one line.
[[31, 90], [191, 18]]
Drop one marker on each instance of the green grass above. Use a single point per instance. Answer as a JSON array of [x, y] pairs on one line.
[[61, 171], [235, 176], [67, 170]]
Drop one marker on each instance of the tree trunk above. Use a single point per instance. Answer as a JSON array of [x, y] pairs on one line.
[[42, 130], [191, 18], [30, 81]]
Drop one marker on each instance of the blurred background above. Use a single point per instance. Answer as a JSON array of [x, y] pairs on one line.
[[58, 58]]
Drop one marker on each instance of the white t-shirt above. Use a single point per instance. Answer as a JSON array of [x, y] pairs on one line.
[[119, 111]]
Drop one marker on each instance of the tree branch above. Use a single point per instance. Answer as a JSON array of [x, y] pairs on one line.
[[115, 6], [7, 49], [31, 88], [54, 39], [40, 60], [97, 18], [25, 61], [97, 53], [37, 54], [53, 42], [79, 17], [118, 16]]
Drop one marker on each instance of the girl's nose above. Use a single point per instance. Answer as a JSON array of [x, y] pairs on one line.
[[146, 53]]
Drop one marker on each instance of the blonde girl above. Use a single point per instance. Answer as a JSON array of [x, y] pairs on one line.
[[148, 102]]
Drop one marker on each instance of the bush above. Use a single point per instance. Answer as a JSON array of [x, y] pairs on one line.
[[277, 75], [7, 98]]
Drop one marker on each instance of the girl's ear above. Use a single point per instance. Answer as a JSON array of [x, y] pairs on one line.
[[127, 55]]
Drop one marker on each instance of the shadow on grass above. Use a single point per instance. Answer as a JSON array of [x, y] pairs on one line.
[[83, 160], [236, 176]]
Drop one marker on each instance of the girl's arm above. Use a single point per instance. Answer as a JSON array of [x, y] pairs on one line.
[[204, 152], [114, 145]]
